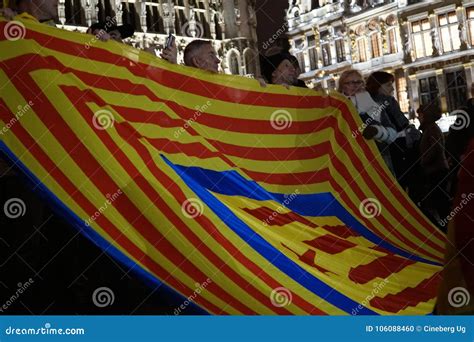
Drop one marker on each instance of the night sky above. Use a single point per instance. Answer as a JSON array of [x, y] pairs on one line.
[[270, 18]]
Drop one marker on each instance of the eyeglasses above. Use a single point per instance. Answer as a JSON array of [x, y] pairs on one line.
[[354, 82]]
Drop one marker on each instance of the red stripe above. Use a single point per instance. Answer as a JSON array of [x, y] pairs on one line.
[[273, 218], [94, 171], [423, 292], [111, 230], [330, 244], [381, 267]]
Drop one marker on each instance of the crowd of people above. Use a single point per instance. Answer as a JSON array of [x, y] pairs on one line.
[[434, 171]]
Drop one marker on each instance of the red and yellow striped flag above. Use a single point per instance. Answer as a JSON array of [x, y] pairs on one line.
[[246, 200]]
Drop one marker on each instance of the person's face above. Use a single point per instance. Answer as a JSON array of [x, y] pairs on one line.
[[387, 89], [285, 73], [207, 59], [115, 35], [352, 85]]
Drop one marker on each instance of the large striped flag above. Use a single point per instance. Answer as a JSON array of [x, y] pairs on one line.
[[243, 199]]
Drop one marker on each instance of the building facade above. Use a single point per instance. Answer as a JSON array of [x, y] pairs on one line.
[[229, 24], [426, 45]]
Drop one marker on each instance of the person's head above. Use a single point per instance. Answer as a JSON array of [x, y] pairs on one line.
[[201, 54], [279, 69], [351, 82], [20, 6], [429, 113], [380, 83]]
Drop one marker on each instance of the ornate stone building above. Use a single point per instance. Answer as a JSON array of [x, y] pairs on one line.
[[230, 24], [427, 45]]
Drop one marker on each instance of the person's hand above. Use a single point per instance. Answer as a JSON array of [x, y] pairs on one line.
[[170, 54], [262, 82], [8, 13], [151, 49]]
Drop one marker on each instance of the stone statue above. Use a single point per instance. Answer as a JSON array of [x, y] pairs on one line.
[[407, 48], [463, 36], [435, 42]]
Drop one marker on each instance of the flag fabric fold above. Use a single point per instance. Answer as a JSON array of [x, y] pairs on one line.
[[244, 199]]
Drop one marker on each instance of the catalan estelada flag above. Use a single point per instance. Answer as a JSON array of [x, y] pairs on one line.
[[243, 199]]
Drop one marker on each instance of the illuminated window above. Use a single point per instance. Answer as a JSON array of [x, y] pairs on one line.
[[470, 20], [402, 94], [362, 49], [448, 26], [392, 40], [376, 45], [422, 38]]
